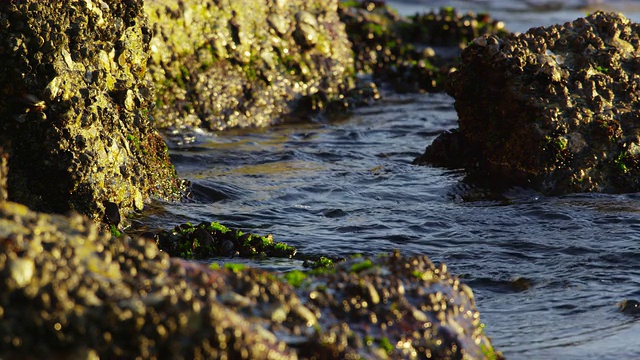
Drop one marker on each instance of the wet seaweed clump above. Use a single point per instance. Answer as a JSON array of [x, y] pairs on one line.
[[555, 108], [213, 239], [413, 53]]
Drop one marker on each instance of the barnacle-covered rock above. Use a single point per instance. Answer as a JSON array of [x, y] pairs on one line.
[[74, 108], [209, 240], [412, 53], [556, 108], [394, 307], [223, 64], [68, 290]]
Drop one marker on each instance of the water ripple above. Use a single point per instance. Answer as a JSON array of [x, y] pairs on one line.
[[547, 271]]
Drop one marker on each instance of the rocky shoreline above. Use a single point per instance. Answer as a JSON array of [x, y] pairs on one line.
[[69, 290], [89, 89]]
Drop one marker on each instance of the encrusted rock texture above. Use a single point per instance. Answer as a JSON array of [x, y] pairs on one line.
[[395, 307], [74, 114], [555, 108], [3, 175], [413, 53], [222, 64], [68, 290]]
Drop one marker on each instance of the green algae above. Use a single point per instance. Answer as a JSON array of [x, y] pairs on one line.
[[235, 267], [212, 239], [361, 266], [322, 263], [490, 353], [386, 345], [295, 277], [114, 231], [621, 162]]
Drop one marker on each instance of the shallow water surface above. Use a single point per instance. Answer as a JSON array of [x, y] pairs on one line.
[[547, 271]]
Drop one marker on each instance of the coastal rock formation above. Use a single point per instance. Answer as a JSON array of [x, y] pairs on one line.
[[555, 108], [223, 64], [69, 291], [74, 108], [394, 307], [412, 53]]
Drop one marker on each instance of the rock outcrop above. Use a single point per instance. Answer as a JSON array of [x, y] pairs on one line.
[[394, 307], [74, 108], [68, 290], [556, 108], [223, 64], [413, 53]]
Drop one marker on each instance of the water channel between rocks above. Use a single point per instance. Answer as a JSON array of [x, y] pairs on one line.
[[547, 272]]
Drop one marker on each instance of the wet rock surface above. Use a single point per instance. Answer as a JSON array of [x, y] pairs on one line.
[[223, 64], [413, 53], [69, 290], [396, 307], [555, 108], [631, 307], [74, 109]]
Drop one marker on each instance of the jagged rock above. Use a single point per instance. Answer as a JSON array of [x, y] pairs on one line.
[[223, 64], [74, 114], [413, 53], [111, 297], [555, 108], [67, 290], [394, 307]]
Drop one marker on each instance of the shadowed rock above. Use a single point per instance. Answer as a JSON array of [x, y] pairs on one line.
[[74, 108], [3, 175], [555, 108], [413, 53], [67, 290]]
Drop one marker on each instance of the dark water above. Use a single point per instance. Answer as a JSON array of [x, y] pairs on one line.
[[547, 271]]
